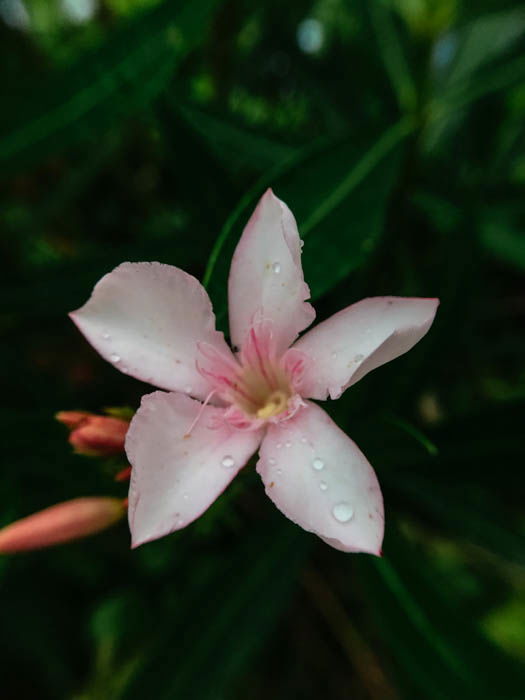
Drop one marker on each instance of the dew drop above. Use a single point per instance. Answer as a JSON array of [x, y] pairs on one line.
[[185, 496], [317, 464], [279, 445], [106, 336], [279, 471], [228, 462], [188, 389], [358, 358], [288, 444], [304, 440], [323, 485], [276, 267], [343, 512], [114, 357], [272, 461]]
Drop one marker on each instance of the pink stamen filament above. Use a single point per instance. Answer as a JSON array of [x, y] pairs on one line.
[[200, 412]]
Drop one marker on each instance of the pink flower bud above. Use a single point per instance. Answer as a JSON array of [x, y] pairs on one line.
[[61, 523], [95, 436]]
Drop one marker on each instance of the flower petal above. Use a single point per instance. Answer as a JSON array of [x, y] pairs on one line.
[[360, 338], [320, 479], [147, 318], [176, 476], [266, 278]]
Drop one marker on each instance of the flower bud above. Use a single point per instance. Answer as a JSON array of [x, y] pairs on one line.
[[71, 419], [61, 523], [95, 436]]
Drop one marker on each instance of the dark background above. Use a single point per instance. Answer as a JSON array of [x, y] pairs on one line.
[[135, 130]]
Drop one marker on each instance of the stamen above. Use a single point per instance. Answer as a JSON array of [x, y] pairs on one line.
[[199, 414]]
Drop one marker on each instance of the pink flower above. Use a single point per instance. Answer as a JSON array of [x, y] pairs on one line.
[[186, 444]]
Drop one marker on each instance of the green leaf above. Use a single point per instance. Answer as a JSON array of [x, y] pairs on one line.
[[104, 85], [463, 489], [485, 64], [486, 39], [438, 652], [225, 620], [237, 147], [392, 53]]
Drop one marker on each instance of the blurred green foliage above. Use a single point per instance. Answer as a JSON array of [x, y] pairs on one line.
[[395, 130]]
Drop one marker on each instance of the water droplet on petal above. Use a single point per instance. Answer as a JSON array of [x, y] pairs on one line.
[[304, 440], [343, 512], [288, 443], [272, 461], [114, 357], [317, 464], [228, 462], [276, 267], [279, 471], [279, 445], [106, 336], [185, 496], [323, 485], [358, 358], [188, 389]]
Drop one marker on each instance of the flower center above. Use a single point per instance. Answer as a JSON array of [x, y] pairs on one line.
[[276, 403], [261, 388], [261, 383]]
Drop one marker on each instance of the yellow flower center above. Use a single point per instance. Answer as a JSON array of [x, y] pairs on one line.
[[276, 403]]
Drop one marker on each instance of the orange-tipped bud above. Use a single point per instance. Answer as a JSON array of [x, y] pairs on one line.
[[95, 436], [71, 419], [64, 522]]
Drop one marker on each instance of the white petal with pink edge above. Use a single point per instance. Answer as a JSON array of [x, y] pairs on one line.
[[360, 338], [176, 476], [320, 479], [266, 280], [146, 319]]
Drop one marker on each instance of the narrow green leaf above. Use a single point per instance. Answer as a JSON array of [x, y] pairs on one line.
[[357, 174], [486, 39], [235, 146], [391, 49], [438, 653], [338, 195], [227, 620], [415, 433], [105, 84], [485, 64]]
